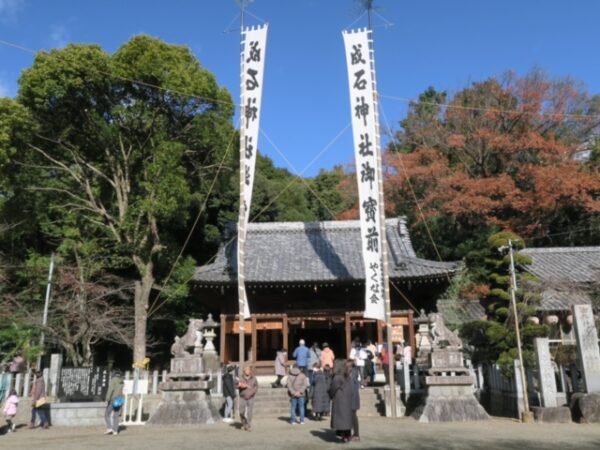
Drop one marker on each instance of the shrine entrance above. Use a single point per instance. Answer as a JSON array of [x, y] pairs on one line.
[[267, 333], [318, 329]]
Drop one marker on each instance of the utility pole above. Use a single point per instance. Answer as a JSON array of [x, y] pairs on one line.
[[527, 417], [46, 305]]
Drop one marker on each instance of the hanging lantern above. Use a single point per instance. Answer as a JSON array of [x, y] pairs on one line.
[[534, 320], [570, 319], [551, 319]]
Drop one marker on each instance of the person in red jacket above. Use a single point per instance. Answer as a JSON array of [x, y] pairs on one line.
[[384, 356]]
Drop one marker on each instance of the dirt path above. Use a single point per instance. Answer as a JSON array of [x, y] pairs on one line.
[[376, 433]]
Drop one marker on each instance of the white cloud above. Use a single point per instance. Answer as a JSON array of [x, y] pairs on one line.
[[59, 35], [9, 10]]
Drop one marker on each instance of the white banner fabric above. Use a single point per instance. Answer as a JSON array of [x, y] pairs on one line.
[[361, 77], [253, 63], [254, 43]]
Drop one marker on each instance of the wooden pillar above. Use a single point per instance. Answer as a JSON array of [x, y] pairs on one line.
[[380, 325], [254, 342], [411, 332], [285, 333], [348, 335], [223, 338]]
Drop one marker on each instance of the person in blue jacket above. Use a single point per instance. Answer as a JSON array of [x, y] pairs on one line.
[[301, 353]]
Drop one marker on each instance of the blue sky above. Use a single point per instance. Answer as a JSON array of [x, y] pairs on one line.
[[440, 43]]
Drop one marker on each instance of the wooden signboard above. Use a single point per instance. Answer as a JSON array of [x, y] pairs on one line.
[[234, 327]]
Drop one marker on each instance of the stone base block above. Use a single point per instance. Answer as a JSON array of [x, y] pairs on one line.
[[586, 407], [400, 410], [560, 414], [187, 364], [449, 404], [76, 414], [212, 362], [185, 408]]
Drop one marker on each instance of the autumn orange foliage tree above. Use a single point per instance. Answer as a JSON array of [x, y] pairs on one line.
[[499, 154]]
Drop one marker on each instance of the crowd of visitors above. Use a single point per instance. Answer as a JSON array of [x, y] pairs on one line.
[[330, 386]]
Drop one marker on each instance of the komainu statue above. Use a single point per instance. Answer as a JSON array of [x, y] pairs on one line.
[[442, 336]]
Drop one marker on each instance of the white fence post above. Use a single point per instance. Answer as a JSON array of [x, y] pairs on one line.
[[46, 376], [18, 384], [27, 383], [406, 376], [155, 382]]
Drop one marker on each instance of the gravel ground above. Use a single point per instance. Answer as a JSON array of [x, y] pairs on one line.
[[277, 433]]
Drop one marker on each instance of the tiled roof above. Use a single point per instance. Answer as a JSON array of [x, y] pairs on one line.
[[566, 273], [306, 252], [565, 264], [554, 300], [457, 312]]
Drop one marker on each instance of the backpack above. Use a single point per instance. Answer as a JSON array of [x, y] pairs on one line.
[[118, 402]]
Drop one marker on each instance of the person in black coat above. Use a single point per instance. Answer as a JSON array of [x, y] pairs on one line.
[[320, 392], [355, 383], [343, 398], [228, 393]]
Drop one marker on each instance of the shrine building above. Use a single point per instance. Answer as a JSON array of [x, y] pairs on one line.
[[305, 280]]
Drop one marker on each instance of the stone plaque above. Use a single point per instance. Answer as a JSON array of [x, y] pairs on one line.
[[545, 373], [80, 384], [446, 359], [587, 346]]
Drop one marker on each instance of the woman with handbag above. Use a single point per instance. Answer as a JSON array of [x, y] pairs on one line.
[[38, 401], [114, 401]]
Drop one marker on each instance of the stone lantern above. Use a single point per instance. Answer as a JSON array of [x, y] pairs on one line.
[[209, 334]]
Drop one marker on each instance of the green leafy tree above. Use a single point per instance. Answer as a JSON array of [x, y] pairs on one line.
[[494, 340], [325, 199], [124, 151]]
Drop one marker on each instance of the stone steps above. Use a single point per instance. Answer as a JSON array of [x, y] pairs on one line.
[[275, 402]]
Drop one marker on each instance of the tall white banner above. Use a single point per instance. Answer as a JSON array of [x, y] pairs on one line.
[[361, 80], [254, 43]]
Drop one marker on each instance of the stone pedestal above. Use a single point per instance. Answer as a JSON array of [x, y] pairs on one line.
[[190, 364], [450, 399], [185, 407], [186, 394]]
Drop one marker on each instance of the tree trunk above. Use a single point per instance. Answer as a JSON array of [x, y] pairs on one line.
[[143, 288]]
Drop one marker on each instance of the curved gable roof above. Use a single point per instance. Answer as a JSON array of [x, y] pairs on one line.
[[308, 252]]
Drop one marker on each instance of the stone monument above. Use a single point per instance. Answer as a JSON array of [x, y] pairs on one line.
[[546, 376], [186, 392], [587, 347], [586, 406], [449, 386], [550, 411]]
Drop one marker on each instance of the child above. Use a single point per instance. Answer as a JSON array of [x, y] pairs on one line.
[[228, 393], [10, 409]]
